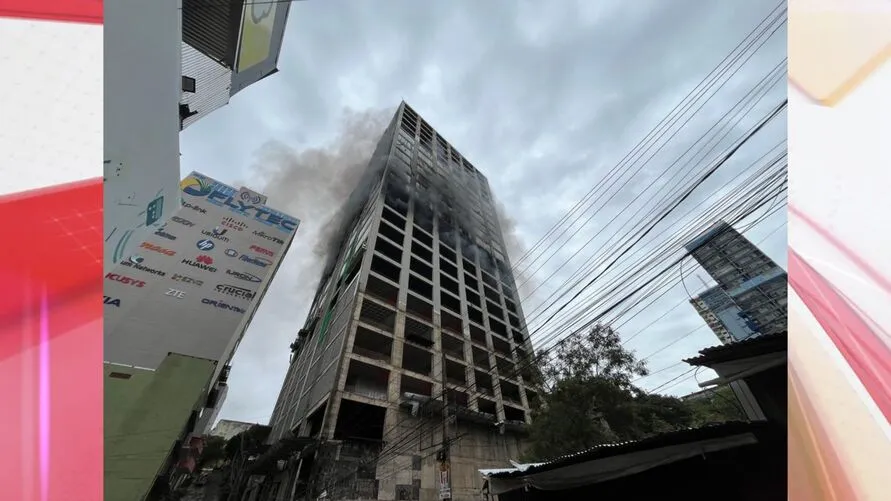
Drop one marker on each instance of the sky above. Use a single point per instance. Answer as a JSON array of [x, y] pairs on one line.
[[543, 98]]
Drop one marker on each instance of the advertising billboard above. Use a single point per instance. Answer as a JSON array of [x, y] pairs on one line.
[[192, 285], [259, 42]]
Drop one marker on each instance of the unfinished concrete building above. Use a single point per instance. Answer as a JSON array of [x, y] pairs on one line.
[[415, 335]]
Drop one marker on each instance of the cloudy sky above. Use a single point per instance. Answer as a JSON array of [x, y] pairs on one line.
[[544, 98]]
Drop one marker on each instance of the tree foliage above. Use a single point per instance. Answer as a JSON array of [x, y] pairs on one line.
[[589, 399], [214, 451]]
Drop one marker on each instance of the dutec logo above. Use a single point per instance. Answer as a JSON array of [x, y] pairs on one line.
[[202, 262], [247, 277], [125, 280], [217, 233], [262, 262], [261, 250], [157, 248], [205, 244]]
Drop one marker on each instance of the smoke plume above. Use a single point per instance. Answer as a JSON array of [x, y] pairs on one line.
[[515, 249]]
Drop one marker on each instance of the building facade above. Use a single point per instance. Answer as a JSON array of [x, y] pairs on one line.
[[175, 312], [756, 286], [415, 335], [167, 65], [722, 315]]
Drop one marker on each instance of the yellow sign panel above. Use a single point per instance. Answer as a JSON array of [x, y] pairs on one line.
[[256, 33]]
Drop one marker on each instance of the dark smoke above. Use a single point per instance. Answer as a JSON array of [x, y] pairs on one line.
[[315, 185]]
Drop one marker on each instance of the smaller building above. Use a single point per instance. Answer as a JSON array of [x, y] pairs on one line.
[[722, 315], [226, 429]]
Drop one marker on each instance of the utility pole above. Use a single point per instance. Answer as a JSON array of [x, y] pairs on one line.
[[445, 485]]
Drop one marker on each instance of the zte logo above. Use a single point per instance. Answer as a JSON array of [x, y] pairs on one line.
[[157, 248], [125, 280], [261, 250], [175, 293]]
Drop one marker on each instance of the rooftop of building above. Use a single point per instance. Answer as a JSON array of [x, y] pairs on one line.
[[747, 348]]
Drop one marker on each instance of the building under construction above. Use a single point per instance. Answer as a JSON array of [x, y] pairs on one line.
[[412, 371]]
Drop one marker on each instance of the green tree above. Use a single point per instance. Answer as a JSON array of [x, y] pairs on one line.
[[717, 406], [589, 398]]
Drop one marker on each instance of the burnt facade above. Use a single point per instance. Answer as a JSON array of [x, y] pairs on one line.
[[415, 334]]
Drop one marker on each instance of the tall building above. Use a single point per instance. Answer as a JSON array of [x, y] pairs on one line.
[[167, 65], [722, 315], [175, 311], [746, 276], [417, 308]]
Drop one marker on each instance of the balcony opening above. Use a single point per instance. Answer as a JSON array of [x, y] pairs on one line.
[[494, 309], [419, 307], [421, 268], [385, 268], [417, 386], [514, 322], [314, 421], [417, 359], [372, 344], [492, 294], [511, 307], [382, 290], [506, 368], [422, 236], [473, 298], [469, 267], [474, 314], [497, 327], [399, 203], [391, 216], [378, 316], [449, 301], [510, 391], [501, 346], [451, 323], [420, 286], [454, 373], [514, 414], [453, 346], [532, 398], [471, 283], [489, 280], [448, 268], [383, 247], [478, 334], [391, 233], [483, 382], [446, 233], [418, 332], [360, 422], [367, 380], [448, 253], [449, 284], [422, 252], [480, 358], [518, 337], [457, 398], [487, 406]]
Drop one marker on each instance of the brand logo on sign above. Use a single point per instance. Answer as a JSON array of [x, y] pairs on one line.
[[221, 305], [184, 222], [224, 196], [217, 234], [196, 208], [205, 244], [157, 248], [187, 280], [231, 253], [111, 301], [232, 223], [261, 250], [175, 293], [202, 262], [163, 233], [271, 238], [135, 262], [125, 280], [262, 262], [239, 292], [247, 277]]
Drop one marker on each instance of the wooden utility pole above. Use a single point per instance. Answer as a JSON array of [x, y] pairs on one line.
[[445, 480]]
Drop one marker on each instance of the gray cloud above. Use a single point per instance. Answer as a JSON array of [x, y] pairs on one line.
[[542, 98]]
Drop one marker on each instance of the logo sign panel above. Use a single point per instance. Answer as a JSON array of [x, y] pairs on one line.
[[262, 262], [239, 292], [135, 262], [157, 248], [198, 186], [261, 250], [222, 305], [233, 224], [231, 253], [205, 245], [111, 301], [187, 280], [202, 262], [247, 277], [125, 280], [162, 232], [182, 221], [175, 293], [196, 208], [217, 233], [263, 235]]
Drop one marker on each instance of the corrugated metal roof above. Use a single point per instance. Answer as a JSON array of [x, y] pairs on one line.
[[751, 347], [616, 449]]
